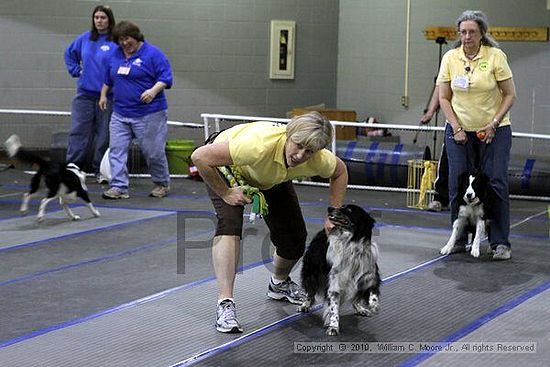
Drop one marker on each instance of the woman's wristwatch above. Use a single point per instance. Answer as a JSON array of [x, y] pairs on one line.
[[459, 129], [495, 124]]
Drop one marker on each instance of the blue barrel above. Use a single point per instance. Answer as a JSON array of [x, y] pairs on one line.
[[385, 164], [529, 175], [377, 163]]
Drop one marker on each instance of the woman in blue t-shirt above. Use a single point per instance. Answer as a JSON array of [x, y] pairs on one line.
[[85, 59], [138, 72]]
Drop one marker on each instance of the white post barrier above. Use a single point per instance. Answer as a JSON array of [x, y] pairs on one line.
[[221, 117], [68, 113]]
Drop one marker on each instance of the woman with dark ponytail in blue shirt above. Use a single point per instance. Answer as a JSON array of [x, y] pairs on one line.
[[85, 59]]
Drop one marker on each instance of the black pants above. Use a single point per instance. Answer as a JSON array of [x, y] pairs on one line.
[[441, 183], [287, 228]]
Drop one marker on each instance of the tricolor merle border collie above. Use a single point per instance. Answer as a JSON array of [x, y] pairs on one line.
[[66, 182], [476, 198], [343, 266]]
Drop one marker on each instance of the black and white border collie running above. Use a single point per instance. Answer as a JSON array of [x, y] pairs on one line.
[[476, 198], [66, 182], [343, 266]]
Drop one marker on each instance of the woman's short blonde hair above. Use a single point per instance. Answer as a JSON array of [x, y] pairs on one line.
[[311, 130]]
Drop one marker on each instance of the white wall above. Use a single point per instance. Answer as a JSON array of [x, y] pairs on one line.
[[218, 49]]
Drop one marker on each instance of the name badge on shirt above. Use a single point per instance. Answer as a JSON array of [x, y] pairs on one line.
[[123, 70], [461, 81]]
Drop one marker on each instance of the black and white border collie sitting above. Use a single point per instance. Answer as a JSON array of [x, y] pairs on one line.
[[476, 198], [66, 182], [343, 266]]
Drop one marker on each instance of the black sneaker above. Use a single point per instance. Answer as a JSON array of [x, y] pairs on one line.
[[286, 291], [226, 318]]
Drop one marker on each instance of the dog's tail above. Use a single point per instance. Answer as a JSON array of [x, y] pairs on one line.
[[13, 149]]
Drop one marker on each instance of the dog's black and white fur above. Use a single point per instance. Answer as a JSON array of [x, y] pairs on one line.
[[66, 182], [343, 266], [476, 198]]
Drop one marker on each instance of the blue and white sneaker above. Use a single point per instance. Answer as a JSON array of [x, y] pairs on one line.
[[286, 291]]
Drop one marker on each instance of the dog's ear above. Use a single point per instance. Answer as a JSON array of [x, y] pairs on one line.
[[369, 225], [370, 221], [363, 228]]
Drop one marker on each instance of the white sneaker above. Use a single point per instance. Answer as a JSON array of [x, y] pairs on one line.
[[115, 193], [502, 252], [226, 318], [159, 191], [435, 206]]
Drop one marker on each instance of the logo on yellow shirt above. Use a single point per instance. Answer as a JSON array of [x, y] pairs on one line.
[[483, 65]]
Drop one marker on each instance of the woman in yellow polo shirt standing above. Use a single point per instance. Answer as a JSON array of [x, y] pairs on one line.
[[476, 92], [267, 156]]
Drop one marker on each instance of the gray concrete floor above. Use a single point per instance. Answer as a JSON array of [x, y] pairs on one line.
[[68, 277]]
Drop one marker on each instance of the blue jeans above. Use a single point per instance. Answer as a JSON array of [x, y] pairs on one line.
[[151, 132], [89, 135], [493, 159]]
